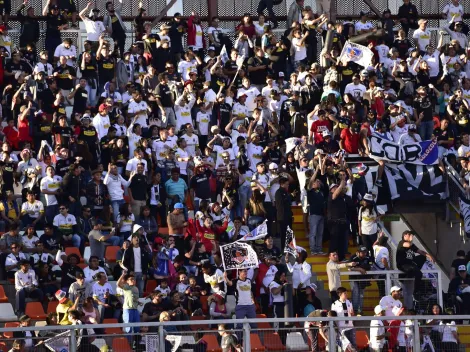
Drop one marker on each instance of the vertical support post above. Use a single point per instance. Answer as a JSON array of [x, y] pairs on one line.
[[212, 10], [161, 338], [246, 337], [388, 282], [439, 288], [331, 336], [416, 337], [73, 340]]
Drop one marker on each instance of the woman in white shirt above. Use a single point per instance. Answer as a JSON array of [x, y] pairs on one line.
[[381, 261], [276, 287], [125, 221], [368, 218]]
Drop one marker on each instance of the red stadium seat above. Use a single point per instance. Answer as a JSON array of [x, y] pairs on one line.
[[35, 311]]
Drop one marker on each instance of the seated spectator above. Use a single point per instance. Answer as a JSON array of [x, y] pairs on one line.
[[93, 269], [459, 286], [26, 285], [217, 306]]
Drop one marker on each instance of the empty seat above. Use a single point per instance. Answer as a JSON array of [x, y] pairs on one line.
[[256, 344], [74, 250], [150, 287], [7, 313], [35, 311], [112, 331], [204, 304], [264, 325], [273, 342], [362, 340], [111, 253], [3, 296], [212, 343], [10, 324], [51, 306], [121, 344]]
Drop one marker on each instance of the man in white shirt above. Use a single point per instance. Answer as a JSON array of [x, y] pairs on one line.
[[363, 26], [453, 11], [138, 110], [182, 158], [356, 89], [26, 285], [32, 211], [251, 93], [464, 149], [344, 308], [101, 291], [391, 301], [298, 43], [65, 225], [377, 332], [422, 35], [192, 141], [50, 187], [138, 158], [101, 121], [115, 182], [67, 50], [457, 32], [93, 26]]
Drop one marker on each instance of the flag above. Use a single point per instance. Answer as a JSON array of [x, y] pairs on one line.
[[357, 53], [291, 246], [465, 214], [223, 55], [291, 143], [238, 255], [259, 232], [240, 61]]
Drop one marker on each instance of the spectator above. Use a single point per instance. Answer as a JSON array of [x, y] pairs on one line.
[[389, 303], [26, 285], [364, 263], [131, 301], [333, 271], [344, 308], [245, 307], [459, 286], [136, 261], [378, 335]]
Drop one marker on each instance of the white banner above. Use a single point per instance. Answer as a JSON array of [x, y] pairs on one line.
[[260, 232], [238, 255], [290, 246], [465, 214], [357, 53]]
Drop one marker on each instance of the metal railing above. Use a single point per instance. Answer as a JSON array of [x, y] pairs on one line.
[[246, 331]]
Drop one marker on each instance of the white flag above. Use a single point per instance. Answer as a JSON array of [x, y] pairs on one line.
[[223, 55], [357, 53], [260, 232], [240, 61], [291, 143], [238, 255], [290, 246]]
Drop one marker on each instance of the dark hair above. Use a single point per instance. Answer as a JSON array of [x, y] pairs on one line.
[[124, 211], [341, 290], [74, 313], [460, 253], [382, 241], [93, 257]]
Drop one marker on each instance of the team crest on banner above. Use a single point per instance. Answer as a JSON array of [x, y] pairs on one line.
[[357, 53], [291, 246], [238, 255]]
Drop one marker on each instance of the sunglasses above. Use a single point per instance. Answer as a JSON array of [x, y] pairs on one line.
[[14, 247]]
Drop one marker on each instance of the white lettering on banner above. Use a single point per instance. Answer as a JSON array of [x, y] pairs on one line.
[[412, 180], [435, 181], [411, 152], [465, 214]]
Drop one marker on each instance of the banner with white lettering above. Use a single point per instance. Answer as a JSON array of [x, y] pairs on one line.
[[290, 246], [419, 153], [238, 255], [465, 214]]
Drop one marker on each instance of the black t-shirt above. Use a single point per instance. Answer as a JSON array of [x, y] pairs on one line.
[[80, 101], [402, 45], [138, 187], [47, 101], [426, 106], [258, 77], [217, 82], [62, 135], [52, 22], [457, 262], [63, 79], [151, 309], [8, 172], [200, 184], [221, 115], [63, 166], [443, 135], [90, 70], [151, 42], [316, 200], [49, 242], [163, 92], [337, 208], [89, 135], [105, 69], [406, 255]]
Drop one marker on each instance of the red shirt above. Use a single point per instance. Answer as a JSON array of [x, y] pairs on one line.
[[350, 141], [379, 106], [318, 127], [11, 134], [23, 130]]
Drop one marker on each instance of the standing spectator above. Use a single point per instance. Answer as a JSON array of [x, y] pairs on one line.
[[29, 25], [136, 261], [138, 190], [363, 264], [98, 241], [283, 204], [381, 261], [115, 182], [422, 36], [316, 219], [344, 308], [333, 271], [378, 335], [368, 217], [388, 303], [26, 285], [114, 25], [337, 219], [276, 288], [55, 23], [131, 301], [408, 15], [51, 187], [295, 12], [245, 307], [460, 287], [229, 342]]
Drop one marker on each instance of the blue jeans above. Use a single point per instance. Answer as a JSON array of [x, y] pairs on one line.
[[51, 211], [426, 129], [131, 316], [114, 241], [140, 283], [249, 312], [115, 204], [244, 192]]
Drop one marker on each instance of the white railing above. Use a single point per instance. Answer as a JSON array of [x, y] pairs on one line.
[[246, 330]]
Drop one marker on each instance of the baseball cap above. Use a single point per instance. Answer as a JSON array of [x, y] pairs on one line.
[[273, 166], [79, 275], [378, 309], [158, 240], [369, 197], [136, 228], [61, 296], [362, 249], [395, 288], [211, 48], [280, 74], [179, 206], [326, 134], [421, 21], [462, 268]]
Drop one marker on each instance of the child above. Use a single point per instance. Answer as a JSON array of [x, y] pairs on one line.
[[169, 162], [163, 288], [183, 284]]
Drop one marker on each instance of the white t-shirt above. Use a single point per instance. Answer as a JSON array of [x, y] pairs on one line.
[[269, 277], [463, 150], [101, 123], [451, 10], [243, 288], [264, 181], [185, 67], [276, 297], [29, 242], [299, 50], [368, 221], [181, 153], [433, 63], [51, 184], [254, 153], [61, 50], [376, 329], [423, 38], [192, 142], [360, 26], [64, 222], [100, 290], [356, 90], [160, 147], [137, 259], [379, 254], [32, 209], [214, 279], [382, 50], [202, 120], [219, 150], [93, 29], [447, 330], [132, 164], [388, 303], [251, 94], [143, 117], [199, 38]]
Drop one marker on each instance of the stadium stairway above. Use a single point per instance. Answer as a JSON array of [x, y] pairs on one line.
[[320, 278]]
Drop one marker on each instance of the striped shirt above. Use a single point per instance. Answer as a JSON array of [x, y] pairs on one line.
[[176, 188]]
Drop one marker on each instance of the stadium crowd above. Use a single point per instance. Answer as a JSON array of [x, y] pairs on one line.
[[146, 159]]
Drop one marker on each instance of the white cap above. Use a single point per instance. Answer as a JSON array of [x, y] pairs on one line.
[[280, 74], [273, 166], [378, 309], [319, 151], [136, 228], [395, 288], [462, 268], [211, 48]]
